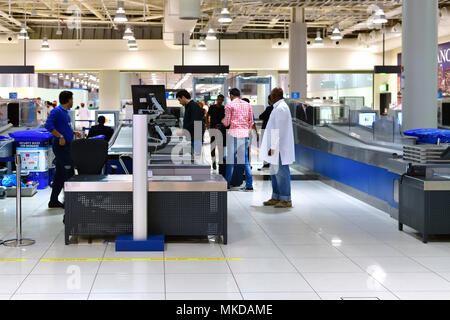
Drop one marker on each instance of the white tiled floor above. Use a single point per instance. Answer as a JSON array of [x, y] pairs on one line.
[[329, 246]]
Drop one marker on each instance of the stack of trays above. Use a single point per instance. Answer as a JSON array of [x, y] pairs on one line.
[[426, 154]]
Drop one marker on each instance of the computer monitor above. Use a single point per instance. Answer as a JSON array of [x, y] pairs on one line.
[[366, 119], [111, 117], [142, 96]]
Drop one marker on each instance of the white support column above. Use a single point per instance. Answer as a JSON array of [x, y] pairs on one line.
[[419, 59], [109, 91], [298, 53], [127, 79], [140, 176]]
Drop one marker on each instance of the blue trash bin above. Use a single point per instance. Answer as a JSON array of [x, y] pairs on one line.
[[34, 147]]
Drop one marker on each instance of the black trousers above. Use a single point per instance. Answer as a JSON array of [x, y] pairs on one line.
[[62, 157]]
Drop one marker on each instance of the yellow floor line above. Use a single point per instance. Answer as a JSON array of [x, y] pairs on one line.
[[140, 259], [13, 260]]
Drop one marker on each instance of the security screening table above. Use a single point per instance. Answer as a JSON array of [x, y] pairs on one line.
[[163, 205]]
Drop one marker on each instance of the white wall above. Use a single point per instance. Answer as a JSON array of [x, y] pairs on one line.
[[241, 55], [79, 95]]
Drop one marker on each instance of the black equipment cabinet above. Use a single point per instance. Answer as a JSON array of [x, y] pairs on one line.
[[425, 205], [171, 211]]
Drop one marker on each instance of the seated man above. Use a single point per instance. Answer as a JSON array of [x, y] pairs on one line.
[[101, 129]]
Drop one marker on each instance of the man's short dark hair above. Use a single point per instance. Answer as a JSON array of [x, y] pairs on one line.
[[221, 96], [65, 96], [277, 93], [183, 93], [101, 120], [246, 100], [235, 92]]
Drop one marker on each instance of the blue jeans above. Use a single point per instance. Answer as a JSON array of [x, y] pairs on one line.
[[237, 153], [196, 147], [281, 181]]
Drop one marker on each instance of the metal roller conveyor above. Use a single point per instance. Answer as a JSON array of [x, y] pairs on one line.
[[160, 148]]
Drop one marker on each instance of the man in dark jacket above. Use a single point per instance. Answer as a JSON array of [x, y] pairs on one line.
[[216, 113], [193, 116], [101, 129], [265, 118], [266, 114]]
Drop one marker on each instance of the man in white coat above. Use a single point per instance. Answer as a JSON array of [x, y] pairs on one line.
[[278, 149], [83, 113]]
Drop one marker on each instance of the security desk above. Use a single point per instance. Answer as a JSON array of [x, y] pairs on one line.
[[191, 205], [425, 205]]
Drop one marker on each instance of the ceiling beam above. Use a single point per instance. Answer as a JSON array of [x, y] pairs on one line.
[[94, 11], [147, 18], [54, 21], [13, 20], [4, 29]]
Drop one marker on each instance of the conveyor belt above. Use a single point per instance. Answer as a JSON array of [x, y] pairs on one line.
[[333, 141], [332, 135]]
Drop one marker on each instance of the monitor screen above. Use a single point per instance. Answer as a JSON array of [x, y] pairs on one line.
[[141, 96], [445, 114], [367, 119], [400, 119], [110, 118]]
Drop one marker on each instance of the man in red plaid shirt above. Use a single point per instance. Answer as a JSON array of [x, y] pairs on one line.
[[239, 117]]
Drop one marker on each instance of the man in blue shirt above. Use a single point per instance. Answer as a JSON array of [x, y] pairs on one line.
[[59, 125]]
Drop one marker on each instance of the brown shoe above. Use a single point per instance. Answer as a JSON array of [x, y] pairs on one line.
[[271, 202], [284, 204]]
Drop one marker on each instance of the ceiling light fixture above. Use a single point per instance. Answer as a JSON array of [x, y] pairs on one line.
[[380, 17], [211, 35], [225, 16], [132, 45], [120, 16], [318, 42], [336, 35], [23, 34], [45, 46], [128, 34], [202, 45]]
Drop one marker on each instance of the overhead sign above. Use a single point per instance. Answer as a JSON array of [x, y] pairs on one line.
[[387, 69], [211, 80], [16, 69], [215, 69], [13, 95]]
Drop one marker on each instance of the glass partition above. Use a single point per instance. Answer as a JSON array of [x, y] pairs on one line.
[[352, 89]]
